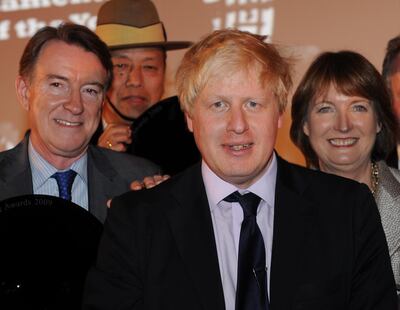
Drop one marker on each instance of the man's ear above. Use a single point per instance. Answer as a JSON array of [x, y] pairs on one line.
[[189, 121], [22, 89]]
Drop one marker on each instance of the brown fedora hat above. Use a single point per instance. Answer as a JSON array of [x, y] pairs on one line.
[[133, 23]]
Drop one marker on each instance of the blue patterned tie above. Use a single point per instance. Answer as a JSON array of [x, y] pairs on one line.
[[251, 292], [64, 181]]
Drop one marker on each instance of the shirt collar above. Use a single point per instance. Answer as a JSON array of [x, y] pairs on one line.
[[42, 170], [217, 189]]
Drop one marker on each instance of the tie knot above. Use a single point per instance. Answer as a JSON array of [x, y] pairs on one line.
[[249, 202], [64, 181]]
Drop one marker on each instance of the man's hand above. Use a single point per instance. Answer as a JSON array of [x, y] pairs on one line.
[[149, 182], [116, 137]]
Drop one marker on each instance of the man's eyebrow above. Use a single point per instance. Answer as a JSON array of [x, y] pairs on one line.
[[96, 83], [149, 58], [56, 76], [63, 78]]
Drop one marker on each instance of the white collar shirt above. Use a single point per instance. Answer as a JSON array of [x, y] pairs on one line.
[[227, 219]]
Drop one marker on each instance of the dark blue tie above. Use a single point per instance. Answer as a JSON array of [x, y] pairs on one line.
[[251, 288], [64, 181]]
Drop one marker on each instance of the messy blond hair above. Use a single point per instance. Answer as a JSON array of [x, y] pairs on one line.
[[224, 52]]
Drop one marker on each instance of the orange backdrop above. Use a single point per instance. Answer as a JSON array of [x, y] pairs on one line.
[[302, 28]]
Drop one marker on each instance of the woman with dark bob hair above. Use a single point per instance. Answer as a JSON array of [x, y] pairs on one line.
[[343, 123]]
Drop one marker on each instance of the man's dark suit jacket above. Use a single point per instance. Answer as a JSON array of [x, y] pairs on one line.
[[329, 251], [109, 174]]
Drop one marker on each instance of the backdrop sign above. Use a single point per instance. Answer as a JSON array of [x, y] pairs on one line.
[[302, 29], [13, 27], [256, 16]]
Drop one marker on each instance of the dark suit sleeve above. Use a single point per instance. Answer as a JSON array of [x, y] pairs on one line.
[[373, 285], [114, 283]]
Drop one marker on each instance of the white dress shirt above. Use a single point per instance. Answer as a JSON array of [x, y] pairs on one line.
[[227, 219]]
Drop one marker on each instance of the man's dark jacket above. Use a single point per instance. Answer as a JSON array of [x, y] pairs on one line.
[[329, 251]]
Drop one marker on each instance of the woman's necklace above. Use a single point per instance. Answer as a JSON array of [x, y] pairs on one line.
[[374, 178]]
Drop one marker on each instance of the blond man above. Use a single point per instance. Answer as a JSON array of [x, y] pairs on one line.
[[244, 229]]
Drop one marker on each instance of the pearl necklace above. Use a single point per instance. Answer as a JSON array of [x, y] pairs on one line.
[[374, 178]]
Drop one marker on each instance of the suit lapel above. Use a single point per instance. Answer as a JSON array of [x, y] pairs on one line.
[[101, 177], [192, 228], [15, 171], [293, 220]]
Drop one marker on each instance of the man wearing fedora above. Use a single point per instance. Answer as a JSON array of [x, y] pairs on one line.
[[134, 120]]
